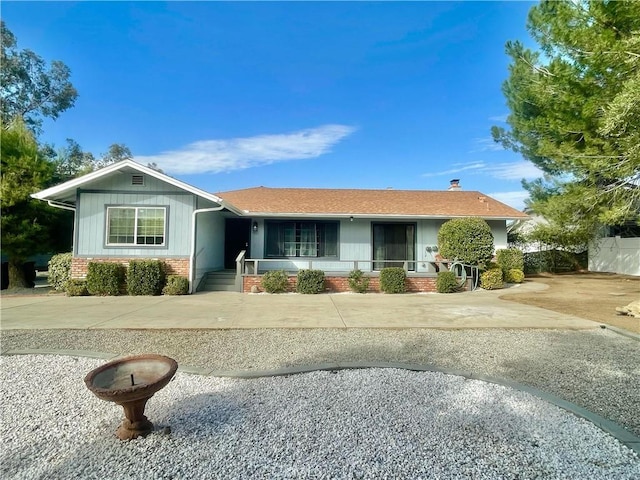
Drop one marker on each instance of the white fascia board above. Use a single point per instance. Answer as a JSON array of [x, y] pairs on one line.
[[364, 216], [72, 185]]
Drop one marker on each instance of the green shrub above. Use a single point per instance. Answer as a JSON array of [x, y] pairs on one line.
[[392, 280], [145, 277], [310, 281], [510, 258], [492, 279], [514, 276], [176, 285], [468, 240], [60, 270], [76, 288], [275, 281], [104, 278], [446, 282], [358, 282]]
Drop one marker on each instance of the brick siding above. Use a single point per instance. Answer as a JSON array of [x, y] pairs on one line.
[[341, 284], [175, 266]]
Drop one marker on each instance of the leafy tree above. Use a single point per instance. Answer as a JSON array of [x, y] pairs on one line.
[[468, 240], [117, 152], [575, 113], [28, 89], [70, 162], [24, 220]]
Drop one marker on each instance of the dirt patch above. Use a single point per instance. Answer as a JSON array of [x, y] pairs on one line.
[[593, 296]]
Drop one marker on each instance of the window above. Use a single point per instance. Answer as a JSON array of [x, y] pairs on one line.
[[136, 225], [394, 241], [301, 239]]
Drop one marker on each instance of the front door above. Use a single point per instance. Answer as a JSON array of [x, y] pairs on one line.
[[237, 237], [394, 241]]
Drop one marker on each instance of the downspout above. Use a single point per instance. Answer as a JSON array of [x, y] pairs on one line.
[[192, 256]]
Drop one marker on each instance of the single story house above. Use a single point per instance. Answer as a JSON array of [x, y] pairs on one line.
[[227, 240]]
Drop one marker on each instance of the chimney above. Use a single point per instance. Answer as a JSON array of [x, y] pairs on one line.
[[454, 185]]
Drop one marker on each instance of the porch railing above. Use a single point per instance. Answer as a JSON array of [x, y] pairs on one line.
[[256, 266]]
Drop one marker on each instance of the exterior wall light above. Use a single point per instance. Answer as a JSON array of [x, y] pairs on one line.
[[255, 227]]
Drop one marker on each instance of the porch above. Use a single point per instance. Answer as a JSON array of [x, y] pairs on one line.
[[248, 274]]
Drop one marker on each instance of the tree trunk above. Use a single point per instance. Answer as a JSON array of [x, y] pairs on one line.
[[17, 277]]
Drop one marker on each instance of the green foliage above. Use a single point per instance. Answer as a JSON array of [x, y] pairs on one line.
[[358, 282], [145, 277], [510, 258], [468, 240], [310, 281], [446, 282], [105, 278], [275, 281], [514, 275], [575, 114], [392, 280], [24, 220], [554, 261], [176, 285], [76, 288], [28, 88], [492, 279], [60, 270]]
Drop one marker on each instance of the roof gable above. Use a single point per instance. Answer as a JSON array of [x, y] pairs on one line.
[[66, 192], [263, 201]]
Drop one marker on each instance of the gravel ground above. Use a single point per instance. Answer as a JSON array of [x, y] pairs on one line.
[[374, 423], [598, 370]]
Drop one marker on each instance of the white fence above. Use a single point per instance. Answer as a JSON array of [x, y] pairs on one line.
[[615, 255]]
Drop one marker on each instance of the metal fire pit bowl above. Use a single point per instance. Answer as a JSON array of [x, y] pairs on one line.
[[131, 382]]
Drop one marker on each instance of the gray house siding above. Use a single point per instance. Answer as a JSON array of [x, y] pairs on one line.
[[209, 254], [355, 243], [91, 224]]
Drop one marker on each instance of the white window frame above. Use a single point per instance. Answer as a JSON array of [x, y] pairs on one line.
[[135, 226]]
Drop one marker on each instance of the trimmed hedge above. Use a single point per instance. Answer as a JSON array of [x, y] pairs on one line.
[[514, 276], [446, 282], [310, 281], [76, 288], [275, 281], [60, 270], [105, 278], [392, 280], [176, 285], [468, 240], [492, 279], [358, 282], [145, 277], [510, 258]]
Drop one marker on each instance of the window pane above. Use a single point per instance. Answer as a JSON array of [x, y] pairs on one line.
[[308, 241], [150, 226], [121, 223], [329, 240]]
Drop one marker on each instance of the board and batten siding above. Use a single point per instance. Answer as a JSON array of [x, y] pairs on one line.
[[355, 244], [92, 223]]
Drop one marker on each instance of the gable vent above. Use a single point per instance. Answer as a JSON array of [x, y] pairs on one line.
[[137, 179]]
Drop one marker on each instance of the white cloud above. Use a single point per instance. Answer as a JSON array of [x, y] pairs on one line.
[[499, 118], [458, 167], [486, 144], [513, 199], [503, 171], [213, 156]]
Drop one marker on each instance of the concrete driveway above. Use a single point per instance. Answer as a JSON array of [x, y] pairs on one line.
[[224, 310]]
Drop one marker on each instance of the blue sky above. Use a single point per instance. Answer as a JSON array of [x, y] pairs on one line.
[[293, 94]]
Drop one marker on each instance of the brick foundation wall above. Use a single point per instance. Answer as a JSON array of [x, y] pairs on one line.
[[175, 266], [341, 284]]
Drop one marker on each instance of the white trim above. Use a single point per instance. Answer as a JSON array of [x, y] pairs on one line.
[[71, 185], [372, 216], [135, 244]]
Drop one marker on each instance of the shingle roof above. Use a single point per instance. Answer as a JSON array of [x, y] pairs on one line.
[[263, 201]]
